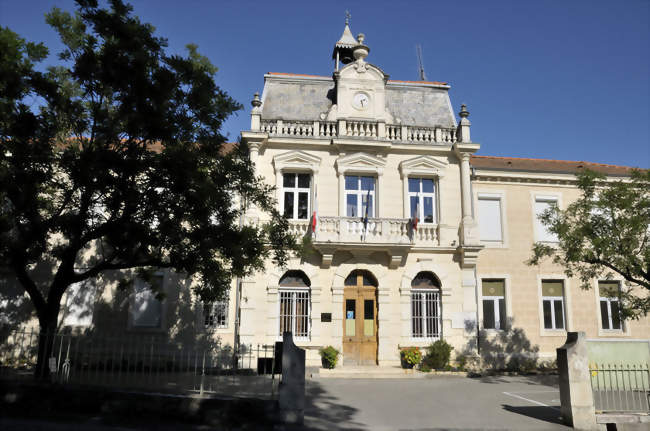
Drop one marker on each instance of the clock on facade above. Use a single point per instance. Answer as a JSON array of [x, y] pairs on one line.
[[361, 101]]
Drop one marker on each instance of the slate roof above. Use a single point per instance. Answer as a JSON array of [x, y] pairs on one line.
[[297, 97], [544, 165]]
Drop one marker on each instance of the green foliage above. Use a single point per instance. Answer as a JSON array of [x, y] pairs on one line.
[[603, 234], [115, 160], [329, 356], [437, 356], [461, 361], [410, 356], [522, 363]]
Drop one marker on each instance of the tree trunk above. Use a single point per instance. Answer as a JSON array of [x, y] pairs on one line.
[[46, 341]]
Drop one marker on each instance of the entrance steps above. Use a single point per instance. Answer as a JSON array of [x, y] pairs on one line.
[[367, 372]]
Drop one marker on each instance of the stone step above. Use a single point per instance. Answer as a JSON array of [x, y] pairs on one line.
[[368, 372]]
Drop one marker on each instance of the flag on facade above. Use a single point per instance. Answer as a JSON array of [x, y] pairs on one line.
[[313, 216], [365, 217], [415, 217]]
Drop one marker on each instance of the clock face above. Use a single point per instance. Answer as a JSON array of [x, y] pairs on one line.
[[361, 101]]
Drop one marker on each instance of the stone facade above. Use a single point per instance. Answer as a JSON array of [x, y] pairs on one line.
[[475, 228]]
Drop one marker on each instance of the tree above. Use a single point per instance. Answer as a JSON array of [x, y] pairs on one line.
[[115, 161], [603, 233]]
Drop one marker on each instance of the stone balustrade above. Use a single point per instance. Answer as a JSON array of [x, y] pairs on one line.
[[430, 135], [360, 129], [377, 231]]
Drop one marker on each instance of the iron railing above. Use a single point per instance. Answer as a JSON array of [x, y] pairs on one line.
[[149, 362], [620, 387]]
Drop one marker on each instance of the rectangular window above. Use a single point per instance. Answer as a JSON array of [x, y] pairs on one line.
[[294, 312], [553, 304], [79, 304], [422, 197], [541, 205], [296, 190], [494, 304], [359, 195], [610, 311], [146, 310], [215, 314], [489, 219], [425, 313]]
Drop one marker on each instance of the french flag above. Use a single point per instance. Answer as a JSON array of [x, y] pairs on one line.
[[415, 219], [313, 216]]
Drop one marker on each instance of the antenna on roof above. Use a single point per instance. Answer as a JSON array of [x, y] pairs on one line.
[[418, 50]]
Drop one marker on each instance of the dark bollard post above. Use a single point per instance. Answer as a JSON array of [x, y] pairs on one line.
[[292, 387]]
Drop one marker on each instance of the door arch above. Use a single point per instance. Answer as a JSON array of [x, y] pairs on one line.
[[360, 329]]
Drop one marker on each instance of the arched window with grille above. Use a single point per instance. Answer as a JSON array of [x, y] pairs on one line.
[[295, 304], [426, 311]]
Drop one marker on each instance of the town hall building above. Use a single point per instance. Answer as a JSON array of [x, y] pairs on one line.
[[414, 238]]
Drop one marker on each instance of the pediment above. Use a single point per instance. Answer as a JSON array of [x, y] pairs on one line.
[[368, 70], [423, 165], [360, 162], [296, 159]]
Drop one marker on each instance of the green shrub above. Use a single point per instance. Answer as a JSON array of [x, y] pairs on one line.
[[438, 354], [461, 361], [329, 355], [410, 357]]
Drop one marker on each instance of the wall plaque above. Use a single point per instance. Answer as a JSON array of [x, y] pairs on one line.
[[326, 317]]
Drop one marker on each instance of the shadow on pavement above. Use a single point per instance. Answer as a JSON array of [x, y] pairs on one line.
[[547, 414], [325, 412], [532, 379]]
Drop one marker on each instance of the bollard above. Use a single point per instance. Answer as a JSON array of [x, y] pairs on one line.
[[292, 387]]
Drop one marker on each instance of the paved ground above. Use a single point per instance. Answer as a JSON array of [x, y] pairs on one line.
[[439, 403]]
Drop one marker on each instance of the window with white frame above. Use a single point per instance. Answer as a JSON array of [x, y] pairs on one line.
[[296, 190], [543, 203], [215, 314], [295, 304], [146, 309], [553, 304], [610, 310], [425, 306], [359, 194], [494, 304], [422, 198], [489, 218]]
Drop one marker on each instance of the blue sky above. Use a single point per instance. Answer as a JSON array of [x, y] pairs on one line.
[[548, 79]]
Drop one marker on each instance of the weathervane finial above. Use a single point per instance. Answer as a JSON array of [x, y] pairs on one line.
[[347, 17]]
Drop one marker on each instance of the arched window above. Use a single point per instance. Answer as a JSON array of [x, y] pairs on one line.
[[295, 304], [360, 277], [426, 315]]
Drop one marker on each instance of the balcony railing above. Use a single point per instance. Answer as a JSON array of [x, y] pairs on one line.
[[374, 130], [388, 231]]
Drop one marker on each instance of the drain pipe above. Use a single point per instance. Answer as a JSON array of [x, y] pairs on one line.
[[238, 287]]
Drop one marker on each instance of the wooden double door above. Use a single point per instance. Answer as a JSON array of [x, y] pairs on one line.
[[359, 321]]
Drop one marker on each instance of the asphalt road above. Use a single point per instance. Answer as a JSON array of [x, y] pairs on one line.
[[438, 403]]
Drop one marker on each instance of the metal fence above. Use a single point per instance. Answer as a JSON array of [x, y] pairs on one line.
[[620, 387], [144, 362]]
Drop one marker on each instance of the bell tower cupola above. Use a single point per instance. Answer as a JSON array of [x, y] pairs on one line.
[[344, 48]]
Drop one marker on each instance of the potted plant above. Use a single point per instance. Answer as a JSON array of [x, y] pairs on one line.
[[329, 355], [410, 357]]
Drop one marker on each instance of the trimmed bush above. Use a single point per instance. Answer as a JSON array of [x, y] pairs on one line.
[[410, 357], [461, 361], [437, 357], [329, 356]]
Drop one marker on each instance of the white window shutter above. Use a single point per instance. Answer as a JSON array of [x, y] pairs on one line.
[[543, 234], [490, 219]]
